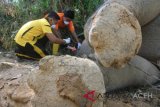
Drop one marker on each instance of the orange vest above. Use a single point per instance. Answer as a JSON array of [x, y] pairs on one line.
[[61, 24]]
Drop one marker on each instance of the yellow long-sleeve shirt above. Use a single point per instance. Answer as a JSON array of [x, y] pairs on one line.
[[32, 31]]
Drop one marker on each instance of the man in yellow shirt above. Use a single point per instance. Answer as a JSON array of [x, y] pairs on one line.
[[33, 36]]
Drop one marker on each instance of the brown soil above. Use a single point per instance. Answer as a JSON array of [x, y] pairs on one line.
[[11, 81]]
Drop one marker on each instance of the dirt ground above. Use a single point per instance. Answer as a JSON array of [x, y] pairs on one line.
[[14, 74]]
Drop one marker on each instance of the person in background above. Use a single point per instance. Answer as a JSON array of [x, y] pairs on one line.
[[64, 25], [32, 37]]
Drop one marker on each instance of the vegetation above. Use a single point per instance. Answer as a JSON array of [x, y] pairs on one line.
[[14, 13]]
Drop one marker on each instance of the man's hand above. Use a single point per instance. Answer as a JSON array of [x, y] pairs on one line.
[[79, 45], [68, 40]]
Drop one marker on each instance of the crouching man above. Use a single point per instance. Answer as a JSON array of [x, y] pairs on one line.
[[32, 37]]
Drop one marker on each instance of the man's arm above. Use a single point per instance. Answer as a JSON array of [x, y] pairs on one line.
[[72, 30], [75, 36], [57, 33], [54, 39]]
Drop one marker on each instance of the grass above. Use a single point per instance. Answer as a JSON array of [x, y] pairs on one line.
[[13, 15]]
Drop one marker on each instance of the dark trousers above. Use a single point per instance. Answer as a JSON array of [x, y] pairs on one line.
[[32, 52]]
